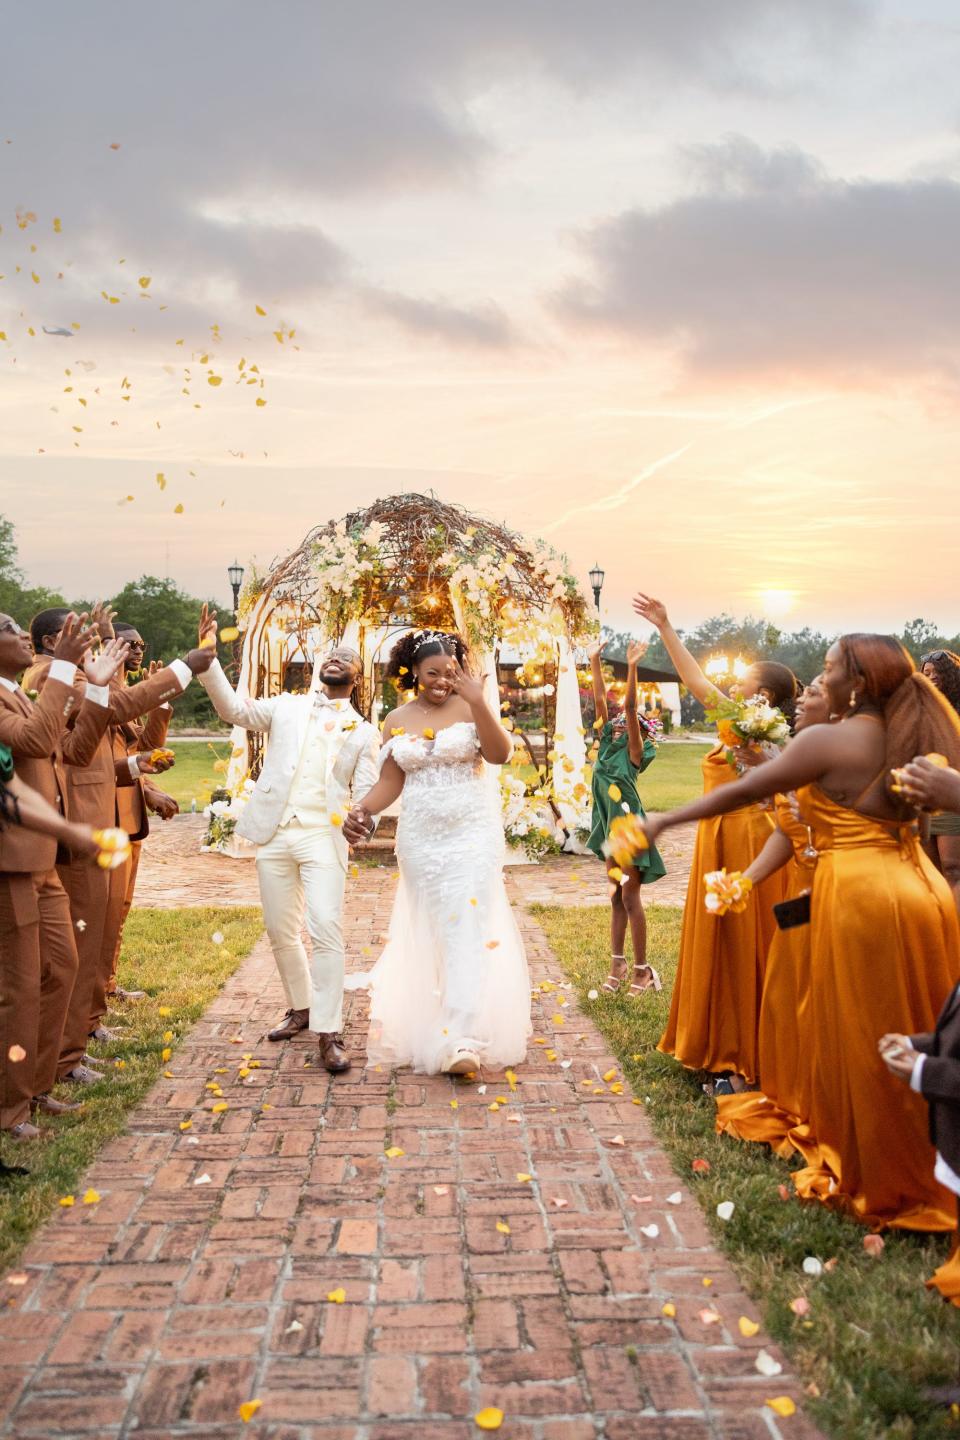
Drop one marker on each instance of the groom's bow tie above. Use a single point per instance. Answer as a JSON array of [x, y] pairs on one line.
[[322, 702]]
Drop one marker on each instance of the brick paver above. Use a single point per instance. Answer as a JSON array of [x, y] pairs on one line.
[[202, 1277], [173, 873]]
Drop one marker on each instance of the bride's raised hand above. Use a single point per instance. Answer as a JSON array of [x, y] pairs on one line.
[[469, 687], [651, 610]]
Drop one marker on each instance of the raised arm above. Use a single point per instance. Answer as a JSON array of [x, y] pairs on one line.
[[595, 656], [635, 746], [250, 714], [496, 747], [655, 612]]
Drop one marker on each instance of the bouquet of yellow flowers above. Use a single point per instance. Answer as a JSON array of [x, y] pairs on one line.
[[627, 839], [113, 848], [161, 754], [726, 891], [896, 776], [748, 723]]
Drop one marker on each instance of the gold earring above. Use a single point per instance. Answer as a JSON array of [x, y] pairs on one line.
[[853, 699]]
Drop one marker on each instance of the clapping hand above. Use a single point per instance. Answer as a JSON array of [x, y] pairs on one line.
[[207, 629], [898, 1055], [468, 687], [357, 826], [100, 669], [636, 651], [74, 639], [651, 610], [102, 616]]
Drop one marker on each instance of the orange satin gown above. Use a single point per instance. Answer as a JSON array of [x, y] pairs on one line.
[[715, 1007], [884, 952], [770, 1117]]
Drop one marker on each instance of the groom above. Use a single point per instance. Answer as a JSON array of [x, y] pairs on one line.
[[319, 751]]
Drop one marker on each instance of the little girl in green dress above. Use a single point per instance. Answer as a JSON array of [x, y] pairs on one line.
[[625, 750]]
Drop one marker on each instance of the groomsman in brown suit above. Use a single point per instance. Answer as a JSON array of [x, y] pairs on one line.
[[38, 953], [91, 800], [133, 744]]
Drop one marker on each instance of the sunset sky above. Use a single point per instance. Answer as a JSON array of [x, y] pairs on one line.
[[673, 285]]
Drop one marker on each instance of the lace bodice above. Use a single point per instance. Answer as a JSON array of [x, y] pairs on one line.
[[453, 758]]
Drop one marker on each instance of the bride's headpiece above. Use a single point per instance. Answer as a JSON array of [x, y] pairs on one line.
[[440, 638]]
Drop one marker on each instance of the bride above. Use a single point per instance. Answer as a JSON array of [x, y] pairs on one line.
[[451, 990]]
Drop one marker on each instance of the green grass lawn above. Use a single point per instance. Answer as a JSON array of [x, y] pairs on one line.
[[193, 776], [168, 953], [873, 1336], [674, 778]]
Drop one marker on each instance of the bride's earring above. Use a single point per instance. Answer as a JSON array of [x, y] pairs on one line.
[[853, 700]]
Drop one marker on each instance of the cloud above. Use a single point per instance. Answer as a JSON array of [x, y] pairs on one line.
[[772, 266], [484, 325]]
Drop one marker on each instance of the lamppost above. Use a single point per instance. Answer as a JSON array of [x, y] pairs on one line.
[[596, 580], [235, 574]]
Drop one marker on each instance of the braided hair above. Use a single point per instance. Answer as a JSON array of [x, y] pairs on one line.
[[419, 645]]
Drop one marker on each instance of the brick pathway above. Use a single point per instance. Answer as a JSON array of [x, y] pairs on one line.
[[201, 1278], [174, 874]]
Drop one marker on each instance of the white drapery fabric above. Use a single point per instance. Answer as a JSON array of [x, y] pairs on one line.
[[569, 747]]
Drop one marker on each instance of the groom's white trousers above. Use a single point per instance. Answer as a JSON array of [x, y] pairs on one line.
[[299, 870]]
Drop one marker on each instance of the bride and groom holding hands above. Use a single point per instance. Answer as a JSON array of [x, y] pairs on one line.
[[451, 990]]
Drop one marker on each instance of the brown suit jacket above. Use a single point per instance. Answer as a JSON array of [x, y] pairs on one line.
[[92, 793], [134, 738], [37, 734], [940, 1079]]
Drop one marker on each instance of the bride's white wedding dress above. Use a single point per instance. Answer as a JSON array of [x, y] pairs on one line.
[[454, 971]]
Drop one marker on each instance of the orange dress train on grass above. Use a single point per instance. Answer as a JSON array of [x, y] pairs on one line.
[[772, 1115], [715, 1006], [884, 952]]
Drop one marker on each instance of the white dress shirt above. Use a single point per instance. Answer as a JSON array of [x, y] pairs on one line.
[[307, 801]]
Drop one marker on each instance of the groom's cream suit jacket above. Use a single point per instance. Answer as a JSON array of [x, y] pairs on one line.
[[352, 757]]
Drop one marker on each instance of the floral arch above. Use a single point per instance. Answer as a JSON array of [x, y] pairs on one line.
[[413, 561]]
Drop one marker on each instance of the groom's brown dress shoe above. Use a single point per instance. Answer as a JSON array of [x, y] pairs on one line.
[[333, 1057], [49, 1106], [292, 1023]]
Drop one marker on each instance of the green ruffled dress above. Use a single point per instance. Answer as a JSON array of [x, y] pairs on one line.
[[614, 766]]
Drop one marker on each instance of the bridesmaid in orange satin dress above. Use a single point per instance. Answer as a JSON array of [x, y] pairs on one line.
[[885, 941], [774, 1117], [715, 1006]]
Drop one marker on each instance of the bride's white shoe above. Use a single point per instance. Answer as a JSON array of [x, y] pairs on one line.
[[463, 1061]]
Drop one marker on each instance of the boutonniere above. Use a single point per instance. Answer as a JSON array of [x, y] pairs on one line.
[[32, 694], [350, 725]]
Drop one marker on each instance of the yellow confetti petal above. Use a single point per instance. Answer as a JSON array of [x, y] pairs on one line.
[[161, 480], [394, 1152], [610, 1075], [503, 1227], [259, 309], [57, 226], [669, 1310], [144, 282], [186, 1124], [489, 1419], [783, 1406], [260, 400], [248, 1409], [337, 1297], [228, 634], [523, 1177], [511, 1079], [165, 1053], [214, 379], [748, 1328], [614, 792], [177, 509], [336, 820], [220, 1106], [91, 1197], [66, 1201]]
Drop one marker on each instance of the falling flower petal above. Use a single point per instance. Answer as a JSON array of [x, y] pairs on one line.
[[748, 1328], [394, 1152], [248, 1409], [593, 994], [523, 1177], [784, 1192], [220, 1106], [800, 1306], [642, 1199], [669, 1310], [489, 1419], [618, 1140], [66, 1201], [16, 1053], [558, 1203], [708, 1316], [441, 1189], [651, 1231], [293, 1328], [725, 1209], [783, 1406], [91, 1197], [610, 1075], [675, 1198], [337, 1297], [203, 1180], [503, 1227], [812, 1266], [186, 1124], [873, 1244], [228, 634], [700, 1167], [766, 1364]]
